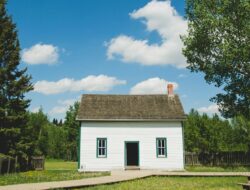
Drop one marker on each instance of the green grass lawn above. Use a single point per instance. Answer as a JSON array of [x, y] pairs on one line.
[[55, 170], [47, 175], [176, 183], [60, 165], [217, 169]]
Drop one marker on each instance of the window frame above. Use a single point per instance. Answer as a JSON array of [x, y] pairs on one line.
[[164, 147], [105, 147]]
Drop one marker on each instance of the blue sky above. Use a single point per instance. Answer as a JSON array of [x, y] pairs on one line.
[[107, 47]]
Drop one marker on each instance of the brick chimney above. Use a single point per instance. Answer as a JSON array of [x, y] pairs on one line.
[[170, 89]]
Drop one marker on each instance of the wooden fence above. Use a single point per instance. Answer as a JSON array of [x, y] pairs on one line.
[[218, 159], [10, 165], [38, 162]]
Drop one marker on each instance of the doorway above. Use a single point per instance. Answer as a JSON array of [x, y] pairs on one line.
[[132, 153]]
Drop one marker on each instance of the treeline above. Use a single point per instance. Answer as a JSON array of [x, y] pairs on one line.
[[57, 140], [204, 134]]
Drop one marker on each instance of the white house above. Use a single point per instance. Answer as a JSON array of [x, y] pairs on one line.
[[131, 132]]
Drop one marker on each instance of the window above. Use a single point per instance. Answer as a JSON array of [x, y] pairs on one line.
[[161, 147], [101, 148]]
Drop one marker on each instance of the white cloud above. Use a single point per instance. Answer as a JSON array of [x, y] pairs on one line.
[[35, 109], [67, 102], [58, 110], [62, 107], [211, 109], [90, 83], [161, 17], [152, 86], [40, 54]]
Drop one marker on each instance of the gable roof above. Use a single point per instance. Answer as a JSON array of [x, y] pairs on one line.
[[95, 107]]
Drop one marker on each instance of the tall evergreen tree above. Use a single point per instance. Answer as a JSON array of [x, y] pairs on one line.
[[14, 83]]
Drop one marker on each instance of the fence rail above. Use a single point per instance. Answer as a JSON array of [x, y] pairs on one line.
[[218, 159], [10, 165]]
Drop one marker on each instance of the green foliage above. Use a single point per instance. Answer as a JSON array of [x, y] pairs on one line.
[[4, 156], [37, 125], [48, 139], [217, 44], [54, 139], [14, 83], [205, 134], [57, 142], [72, 127], [57, 123], [241, 135]]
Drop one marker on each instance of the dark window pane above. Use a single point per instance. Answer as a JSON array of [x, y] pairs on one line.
[[104, 143], [104, 151], [99, 143]]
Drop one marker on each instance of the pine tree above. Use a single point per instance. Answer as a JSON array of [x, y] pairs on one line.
[[60, 123], [55, 122], [14, 83]]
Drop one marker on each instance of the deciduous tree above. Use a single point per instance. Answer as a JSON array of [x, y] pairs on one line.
[[217, 44], [72, 127]]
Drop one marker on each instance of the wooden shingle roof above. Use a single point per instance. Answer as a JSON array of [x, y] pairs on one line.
[[130, 107]]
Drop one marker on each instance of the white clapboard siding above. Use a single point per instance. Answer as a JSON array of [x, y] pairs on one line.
[[119, 132]]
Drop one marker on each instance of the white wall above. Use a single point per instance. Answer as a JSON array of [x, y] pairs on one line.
[[118, 132]]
